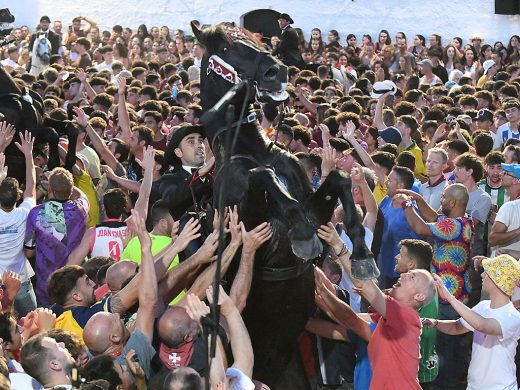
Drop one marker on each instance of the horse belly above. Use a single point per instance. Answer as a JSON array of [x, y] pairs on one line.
[[275, 316]]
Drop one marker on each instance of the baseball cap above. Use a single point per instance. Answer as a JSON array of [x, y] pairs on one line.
[[484, 114], [427, 62], [512, 168], [487, 65], [391, 135]]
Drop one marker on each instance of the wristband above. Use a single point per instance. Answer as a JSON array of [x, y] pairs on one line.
[[407, 203]]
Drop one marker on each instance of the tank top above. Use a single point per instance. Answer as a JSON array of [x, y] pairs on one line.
[[108, 239]]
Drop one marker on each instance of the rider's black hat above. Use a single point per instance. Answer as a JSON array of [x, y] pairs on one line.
[[45, 19], [286, 17]]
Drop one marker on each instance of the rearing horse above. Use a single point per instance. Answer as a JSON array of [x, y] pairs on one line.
[[269, 184]]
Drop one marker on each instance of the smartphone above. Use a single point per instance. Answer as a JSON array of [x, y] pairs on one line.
[[70, 29]]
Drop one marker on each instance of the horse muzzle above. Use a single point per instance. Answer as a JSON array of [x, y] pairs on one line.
[[271, 88]]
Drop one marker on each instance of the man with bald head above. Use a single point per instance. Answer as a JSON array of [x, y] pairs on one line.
[[119, 275], [106, 334], [451, 233]]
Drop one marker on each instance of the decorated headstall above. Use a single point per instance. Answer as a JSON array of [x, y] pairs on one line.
[[225, 70]]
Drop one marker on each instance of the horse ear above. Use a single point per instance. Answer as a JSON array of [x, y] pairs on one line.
[[196, 30]]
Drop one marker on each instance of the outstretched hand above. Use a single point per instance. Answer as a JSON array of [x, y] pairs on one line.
[[196, 309], [253, 239], [329, 234], [6, 135], [189, 233], [80, 117], [148, 161], [441, 288], [26, 144], [137, 226], [3, 168]]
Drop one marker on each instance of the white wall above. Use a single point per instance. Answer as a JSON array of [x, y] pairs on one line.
[[446, 17]]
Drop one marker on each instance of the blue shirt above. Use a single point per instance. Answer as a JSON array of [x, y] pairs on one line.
[[363, 370], [395, 229]]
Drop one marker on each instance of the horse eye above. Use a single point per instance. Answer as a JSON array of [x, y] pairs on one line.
[[224, 50]]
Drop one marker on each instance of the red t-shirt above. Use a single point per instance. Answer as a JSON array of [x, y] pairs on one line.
[[393, 349]]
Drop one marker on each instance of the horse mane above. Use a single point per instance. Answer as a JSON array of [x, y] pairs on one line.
[[227, 32]]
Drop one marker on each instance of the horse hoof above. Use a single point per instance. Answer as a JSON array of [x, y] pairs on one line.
[[306, 249], [365, 269]]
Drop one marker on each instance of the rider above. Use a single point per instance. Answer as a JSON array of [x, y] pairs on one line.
[[49, 34]]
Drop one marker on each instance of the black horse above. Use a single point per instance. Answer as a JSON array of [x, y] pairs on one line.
[[23, 108], [269, 184]]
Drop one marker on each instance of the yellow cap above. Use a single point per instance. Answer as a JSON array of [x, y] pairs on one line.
[[504, 271]]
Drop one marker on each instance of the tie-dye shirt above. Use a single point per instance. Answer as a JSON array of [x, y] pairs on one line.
[[451, 254], [55, 228]]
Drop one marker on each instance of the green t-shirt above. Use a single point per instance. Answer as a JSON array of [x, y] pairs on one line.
[[429, 363], [133, 252]]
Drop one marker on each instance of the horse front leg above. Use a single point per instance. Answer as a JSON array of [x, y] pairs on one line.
[[321, 206], [302, 234]]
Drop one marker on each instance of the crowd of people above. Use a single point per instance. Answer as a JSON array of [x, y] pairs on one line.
[[106, 277]]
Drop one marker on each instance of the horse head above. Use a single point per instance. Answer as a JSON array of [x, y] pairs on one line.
[[43, 49], [232, 56], [6, 22]]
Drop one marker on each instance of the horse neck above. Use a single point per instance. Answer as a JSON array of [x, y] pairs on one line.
[[7, 84]]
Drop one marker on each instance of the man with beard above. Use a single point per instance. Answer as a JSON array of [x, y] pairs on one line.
[[452, 232], [189, 181], [47, 361], [53, 38]]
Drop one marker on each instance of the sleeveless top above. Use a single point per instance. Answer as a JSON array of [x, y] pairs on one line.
[[108, 239]]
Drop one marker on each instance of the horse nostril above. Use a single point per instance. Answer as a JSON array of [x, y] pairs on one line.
[[271, 72]]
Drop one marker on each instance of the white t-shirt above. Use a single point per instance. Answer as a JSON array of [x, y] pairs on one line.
[[345, 282], [509, 215], [504, 132], [492, 365], [12, 235]]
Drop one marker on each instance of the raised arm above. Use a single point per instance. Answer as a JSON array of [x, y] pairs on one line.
[[378, 115], [147, 297], [6, 135], [482, 324], [148, 163], [251, 241], [367, 288], [415, 221], [122, 111], [26, 147], [97, 142], [327, 329], [358, 178], [311, 107], [77, 256], [348, 129], [82, 76]]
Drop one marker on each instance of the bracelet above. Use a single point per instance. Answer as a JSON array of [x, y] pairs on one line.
[[343, 251], [407, 203]]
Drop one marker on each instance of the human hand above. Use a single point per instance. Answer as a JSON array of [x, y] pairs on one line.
[[3, 168], [206, 253], [81, 75], [12, 282], [325, 133], [196, 309], [411, 194], [328, 160], [207, 167], [429, 322], [348, 130], [6, 134], [133, 364], [329, 234], [357, 175], [322, 283], [189, 233], [80, 117], [234, 227], [137, 226], [45, 319], [441, 288], [477, 261], [398, 199], [440, 132], [226, 304], [148, 161], [216, 220], [107, 171], [26, 144], [254, 239], [121, 85]]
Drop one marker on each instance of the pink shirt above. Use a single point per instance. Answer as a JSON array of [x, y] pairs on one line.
[[394, 348]]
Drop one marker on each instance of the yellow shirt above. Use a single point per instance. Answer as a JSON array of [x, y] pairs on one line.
[[379, 192], [133, 252], [420, 169], [85, 184]]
